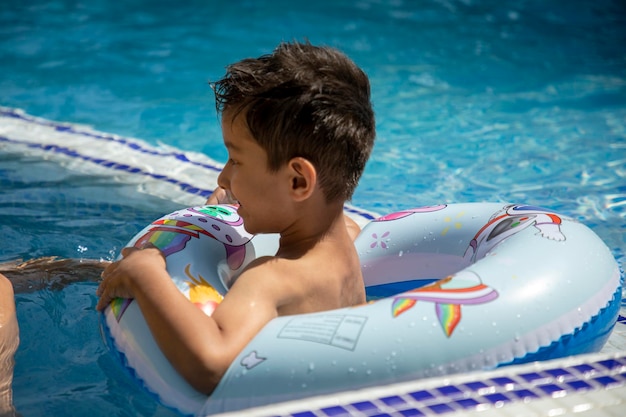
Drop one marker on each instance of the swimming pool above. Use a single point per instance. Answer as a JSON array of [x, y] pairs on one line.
[[475, 101]]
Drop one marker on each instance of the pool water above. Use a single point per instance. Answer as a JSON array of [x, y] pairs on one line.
[[476, 100]]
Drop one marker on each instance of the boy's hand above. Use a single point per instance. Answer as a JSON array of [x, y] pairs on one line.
[[221, 196], [120, 279]]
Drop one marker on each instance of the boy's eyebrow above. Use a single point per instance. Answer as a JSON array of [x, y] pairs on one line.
[[231, 146]]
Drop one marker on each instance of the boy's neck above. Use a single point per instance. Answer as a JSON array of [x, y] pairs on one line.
[[308, 230]]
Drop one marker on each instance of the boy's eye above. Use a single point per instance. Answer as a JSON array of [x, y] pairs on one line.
[[232, 161]]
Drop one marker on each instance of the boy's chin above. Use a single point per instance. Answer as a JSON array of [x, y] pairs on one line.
[[247, 223], [251, 227]]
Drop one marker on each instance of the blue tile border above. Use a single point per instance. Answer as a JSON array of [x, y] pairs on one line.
[[484, 392]]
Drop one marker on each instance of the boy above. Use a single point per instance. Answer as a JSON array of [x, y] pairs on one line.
[[299, 127]]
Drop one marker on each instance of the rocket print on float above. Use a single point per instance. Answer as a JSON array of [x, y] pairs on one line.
[[510, 220]]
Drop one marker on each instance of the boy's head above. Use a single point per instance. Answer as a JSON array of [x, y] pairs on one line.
[[305, 101]]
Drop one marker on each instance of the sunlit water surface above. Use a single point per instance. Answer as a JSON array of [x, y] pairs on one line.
[[485, 100]]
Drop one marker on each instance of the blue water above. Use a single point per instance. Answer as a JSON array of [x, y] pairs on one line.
[[476, 100]]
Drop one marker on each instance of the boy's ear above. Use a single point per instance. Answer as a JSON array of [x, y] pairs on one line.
[[303, 177]]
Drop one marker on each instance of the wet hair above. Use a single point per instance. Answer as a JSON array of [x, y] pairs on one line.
[[305, 101]]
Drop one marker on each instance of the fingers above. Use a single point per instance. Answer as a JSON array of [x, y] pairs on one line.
[[221, 196], [149, 245], [119, 277], [109, 287], [103, 302], [104, 299], [101, 292], [109, 283], [129, 249], [105, 273], [218, 194], [126, 252]]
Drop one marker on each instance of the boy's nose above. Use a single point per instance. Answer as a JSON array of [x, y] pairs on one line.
[[223, 178]]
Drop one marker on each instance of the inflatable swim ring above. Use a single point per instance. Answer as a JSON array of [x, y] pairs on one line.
[[454, 288]]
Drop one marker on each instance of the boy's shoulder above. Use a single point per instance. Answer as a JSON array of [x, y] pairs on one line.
[[328, 276]]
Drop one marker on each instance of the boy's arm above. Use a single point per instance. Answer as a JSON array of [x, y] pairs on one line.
[[201, 348]]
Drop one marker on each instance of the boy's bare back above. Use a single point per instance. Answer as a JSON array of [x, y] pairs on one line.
[[328, 276]]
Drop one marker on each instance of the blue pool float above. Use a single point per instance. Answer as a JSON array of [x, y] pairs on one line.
[[452, 288]]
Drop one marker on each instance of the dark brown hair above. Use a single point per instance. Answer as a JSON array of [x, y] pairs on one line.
[[305, 101]]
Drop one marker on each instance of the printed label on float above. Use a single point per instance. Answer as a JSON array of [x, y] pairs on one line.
[[341, 331]]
